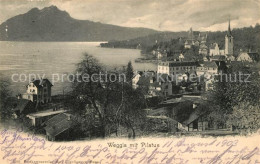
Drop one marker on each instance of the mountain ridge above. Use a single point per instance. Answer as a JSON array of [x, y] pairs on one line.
[[52, 24]]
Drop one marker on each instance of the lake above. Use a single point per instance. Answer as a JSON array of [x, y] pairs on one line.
[[48, 58]]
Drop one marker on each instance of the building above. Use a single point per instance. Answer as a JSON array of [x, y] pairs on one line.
[[248, 57], [190, 41], [161, 55], [181, 57], [135, 79], [38, 91], [215, 53], [197, 41], [60, 127], [229, 42], [40, 117], [203, 49], [207, 67], [23, 107], [196, 122], [215, 50], [176, 67], [156, 84]]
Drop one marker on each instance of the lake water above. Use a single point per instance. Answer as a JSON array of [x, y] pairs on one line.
[[48, 58]]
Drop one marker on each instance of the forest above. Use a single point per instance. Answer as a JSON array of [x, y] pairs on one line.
[[245, 39]]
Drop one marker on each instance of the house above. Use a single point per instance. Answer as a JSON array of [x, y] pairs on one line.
[[248, 57], [209, 84], [188, 43], [181, 57], [60, 127], [176, 67], [203, 49], [207, 67], [190, 40], [156, 84], [161, 55], [23, 107], [40, 117], [215, 50], [196, 122], [135, 80], [38, 91]]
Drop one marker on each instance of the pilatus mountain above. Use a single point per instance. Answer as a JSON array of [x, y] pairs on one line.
[[52, 24]]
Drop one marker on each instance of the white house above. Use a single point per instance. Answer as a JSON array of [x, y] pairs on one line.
[[209, 67], [215, 50], [38, 91], [176, 67]]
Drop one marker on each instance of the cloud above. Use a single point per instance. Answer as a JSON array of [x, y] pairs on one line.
[[170, 15]]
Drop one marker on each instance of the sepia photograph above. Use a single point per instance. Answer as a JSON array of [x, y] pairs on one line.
[[130, 81]]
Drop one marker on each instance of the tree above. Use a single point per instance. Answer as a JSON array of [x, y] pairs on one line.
[[5, 107], [131, 114], [229, 91], [245, 116], [129, 73], [97, 93]]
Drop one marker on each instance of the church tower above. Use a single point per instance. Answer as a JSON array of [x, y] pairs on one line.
[[229, 44]]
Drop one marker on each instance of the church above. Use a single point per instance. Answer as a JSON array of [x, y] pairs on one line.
[[223, 54]]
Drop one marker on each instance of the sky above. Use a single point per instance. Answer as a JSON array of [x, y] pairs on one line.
[[162, 15]]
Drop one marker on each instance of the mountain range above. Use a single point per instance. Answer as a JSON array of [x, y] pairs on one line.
[[52, 24]]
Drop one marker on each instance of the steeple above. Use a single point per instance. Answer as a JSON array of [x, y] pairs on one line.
[[229, 44], [229, 29]]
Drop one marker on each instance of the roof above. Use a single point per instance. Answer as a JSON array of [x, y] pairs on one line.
[[218, 57], [46, 113], [193, 116], [210, 64], [39, 83], [145, 79], [22, 103], [212, 46], [59, 124], [178, 63]]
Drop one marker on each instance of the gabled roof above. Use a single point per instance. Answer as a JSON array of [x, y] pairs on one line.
[[39, 83], [212, 46], [210, 64], [193, 116], [59, 124], [22, 103]]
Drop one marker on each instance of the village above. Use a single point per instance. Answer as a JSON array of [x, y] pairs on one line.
[[175, 102]]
